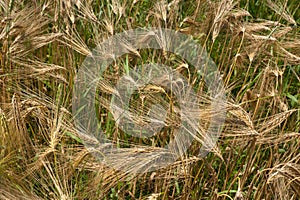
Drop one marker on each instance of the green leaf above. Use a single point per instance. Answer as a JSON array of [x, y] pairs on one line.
[[293, 99], [74, 137]]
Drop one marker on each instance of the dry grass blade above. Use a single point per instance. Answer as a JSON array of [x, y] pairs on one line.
[[9, 193], [275, 139], [241, 115], [280, 10], [292, 57], [18, 121], [28, 32], [118, 9], [290, 172], [268, 124], [86, 12], [161, 8], [39, 70], [225, 6], [75, 42], [62, 193]]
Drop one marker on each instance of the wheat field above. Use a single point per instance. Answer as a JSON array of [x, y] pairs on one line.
[[255, 47]]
